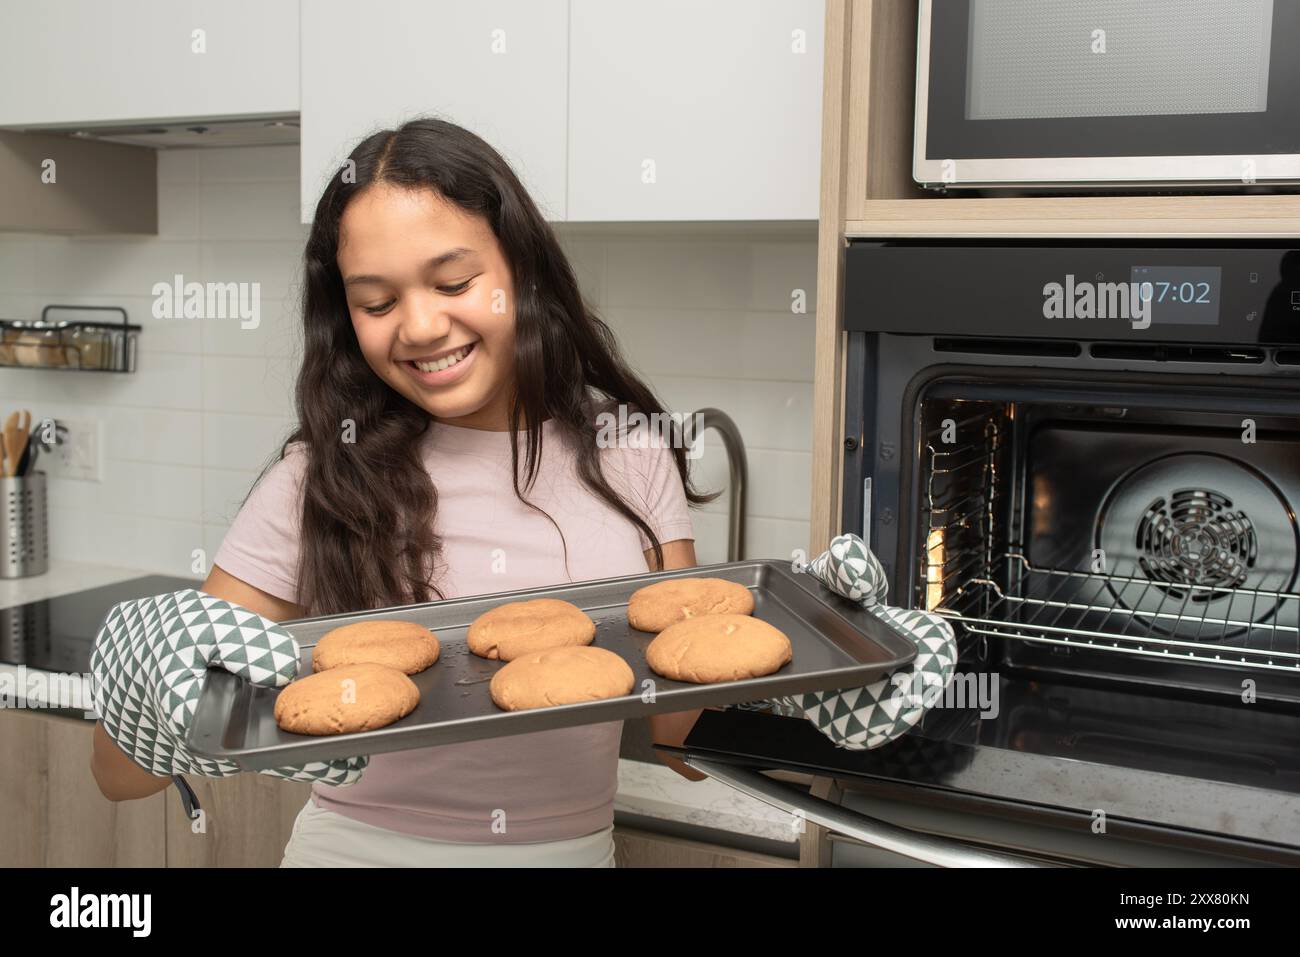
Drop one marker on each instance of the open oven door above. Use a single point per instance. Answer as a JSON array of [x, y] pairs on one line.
[[738, 767], [913, 845], [931, 799]]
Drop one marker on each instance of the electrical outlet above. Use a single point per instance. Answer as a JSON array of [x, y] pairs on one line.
[[79, 455]]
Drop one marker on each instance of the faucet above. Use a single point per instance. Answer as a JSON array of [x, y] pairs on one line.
[[738, 468]]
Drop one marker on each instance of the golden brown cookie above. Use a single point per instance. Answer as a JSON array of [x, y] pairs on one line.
[[522, 627], [655, 607], [561, 676], [404, 645], [345, 699], [718, 648]]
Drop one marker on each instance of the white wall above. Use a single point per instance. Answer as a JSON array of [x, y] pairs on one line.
[[708, 321]]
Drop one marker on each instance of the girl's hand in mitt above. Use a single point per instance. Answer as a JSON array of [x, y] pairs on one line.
[[149, 662], [867, 717]]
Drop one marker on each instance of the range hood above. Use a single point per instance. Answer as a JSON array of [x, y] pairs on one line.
[[107, 173], [270, 130]]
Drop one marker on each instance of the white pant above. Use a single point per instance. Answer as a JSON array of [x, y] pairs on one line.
[[323, 838]]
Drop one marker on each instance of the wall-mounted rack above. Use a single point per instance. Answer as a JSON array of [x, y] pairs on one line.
[[70, 345]]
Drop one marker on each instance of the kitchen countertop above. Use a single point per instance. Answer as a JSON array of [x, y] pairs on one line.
[[657, 791], [32, 686], [648, 789], [63, 578]]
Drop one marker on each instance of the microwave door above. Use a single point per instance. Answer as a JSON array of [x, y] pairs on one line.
[[1104, 93]]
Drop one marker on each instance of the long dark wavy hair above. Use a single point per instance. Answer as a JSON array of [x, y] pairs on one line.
[[368, 507]]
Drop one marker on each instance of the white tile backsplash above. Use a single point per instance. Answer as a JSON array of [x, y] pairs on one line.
[[274, 334], [146, 435], [105, 267], [717, 343], [252, 384], [136, 488], [707, 321], [121, 538], [708, 274], [242, 211], [182, 167], [254, 163], [778, 484], [275, 265], [773, 415], [224, 490], [17, 265], [242, 441], [178, 211]]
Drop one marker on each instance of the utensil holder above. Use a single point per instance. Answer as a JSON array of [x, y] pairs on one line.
[[24, 526]]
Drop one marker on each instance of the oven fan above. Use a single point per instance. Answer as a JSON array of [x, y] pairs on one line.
[[1195, 538], [1190, 529]]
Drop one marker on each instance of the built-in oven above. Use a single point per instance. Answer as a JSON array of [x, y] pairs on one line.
[[1087, 458], [1107, 93]]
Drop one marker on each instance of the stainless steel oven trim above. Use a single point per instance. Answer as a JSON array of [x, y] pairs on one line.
[[889, 837], [866, 511], [1077, 171], [1098, 171], [1035, 816], [1199, 833], [923, 170]]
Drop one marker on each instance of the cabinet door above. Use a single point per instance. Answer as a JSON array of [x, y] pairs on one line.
[[248, 819], [495, 67], [88, 61], [51, 811], [680, 110]]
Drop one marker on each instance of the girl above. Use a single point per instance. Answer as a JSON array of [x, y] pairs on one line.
[[449, 400]]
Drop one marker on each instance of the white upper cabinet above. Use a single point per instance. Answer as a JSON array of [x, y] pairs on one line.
[[93, 61], [495, 67], [689, 110]]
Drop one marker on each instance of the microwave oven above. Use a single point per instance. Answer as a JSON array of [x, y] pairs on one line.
[[1107, 94]]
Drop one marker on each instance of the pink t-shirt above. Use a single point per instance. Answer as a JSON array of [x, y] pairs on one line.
[[551, 785]]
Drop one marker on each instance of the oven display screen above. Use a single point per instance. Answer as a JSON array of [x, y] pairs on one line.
[[1180, 295]]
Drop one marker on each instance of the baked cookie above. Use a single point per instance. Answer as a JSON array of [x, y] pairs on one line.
[[404, 645], [345, 699], [561, 676], [655, 607], [522, 627], [718, 648]]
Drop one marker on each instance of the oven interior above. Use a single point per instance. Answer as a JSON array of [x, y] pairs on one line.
[[1118, 538]]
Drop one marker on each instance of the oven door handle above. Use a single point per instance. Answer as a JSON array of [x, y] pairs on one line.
[[868, 830]]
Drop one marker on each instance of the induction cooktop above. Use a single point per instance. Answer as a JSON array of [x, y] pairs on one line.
[[57, 634]]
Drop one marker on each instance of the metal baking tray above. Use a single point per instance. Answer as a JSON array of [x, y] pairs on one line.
[[836, 644]]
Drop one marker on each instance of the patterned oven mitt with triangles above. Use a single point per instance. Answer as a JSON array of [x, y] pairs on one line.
[[148, 665], [865, 718]]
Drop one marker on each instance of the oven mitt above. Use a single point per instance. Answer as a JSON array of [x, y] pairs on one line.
[[148, 665], [865, 718]]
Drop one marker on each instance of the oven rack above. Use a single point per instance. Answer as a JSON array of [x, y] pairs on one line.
[[1079, 609], [961, 495]]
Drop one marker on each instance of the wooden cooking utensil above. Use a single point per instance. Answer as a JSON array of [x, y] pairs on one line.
[[24, 433], [15, 439], [6, 439]]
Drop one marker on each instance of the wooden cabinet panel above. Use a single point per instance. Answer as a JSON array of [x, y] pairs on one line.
[[55, 816], [248, 820], [53, 812]]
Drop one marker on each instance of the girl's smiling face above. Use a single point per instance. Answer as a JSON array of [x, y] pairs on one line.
[[432, 302]]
